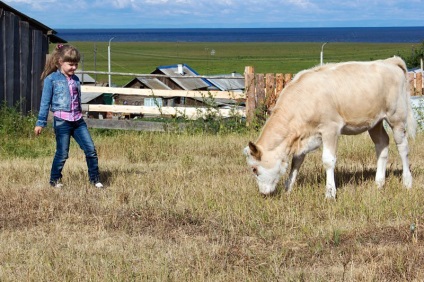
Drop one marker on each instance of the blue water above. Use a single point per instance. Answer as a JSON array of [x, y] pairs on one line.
[[342, 34]]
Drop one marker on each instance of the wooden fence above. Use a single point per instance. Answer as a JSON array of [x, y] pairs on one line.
[[262, 90], [261, 93], [189, 112]]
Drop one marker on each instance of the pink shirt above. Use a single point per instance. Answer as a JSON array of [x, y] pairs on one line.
[[75, 114]]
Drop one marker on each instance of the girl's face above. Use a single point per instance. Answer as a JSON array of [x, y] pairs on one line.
[[68, 68]]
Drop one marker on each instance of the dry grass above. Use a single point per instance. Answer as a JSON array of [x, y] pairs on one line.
[[185, 208]]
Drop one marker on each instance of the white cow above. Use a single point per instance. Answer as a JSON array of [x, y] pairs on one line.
[[324, 102]]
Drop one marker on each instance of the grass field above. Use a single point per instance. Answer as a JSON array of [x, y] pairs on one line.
[[182, 207], [144, 57]]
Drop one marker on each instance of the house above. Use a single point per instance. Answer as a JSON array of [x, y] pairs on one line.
[[172, 77], [145, 83], [180, 77], [24, 44]]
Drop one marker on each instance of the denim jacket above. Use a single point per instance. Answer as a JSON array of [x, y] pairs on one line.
[[56, 96]]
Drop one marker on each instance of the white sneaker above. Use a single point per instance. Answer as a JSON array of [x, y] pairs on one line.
[[56, 184], [99, 185]]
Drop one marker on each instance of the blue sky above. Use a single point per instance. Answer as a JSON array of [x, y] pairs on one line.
[[59, 14]]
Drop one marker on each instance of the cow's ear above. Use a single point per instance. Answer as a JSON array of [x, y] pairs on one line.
[[255, 151]]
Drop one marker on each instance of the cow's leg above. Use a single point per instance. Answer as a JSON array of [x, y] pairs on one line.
[[381, 140], [401, 140], [329, 160], [296, 163]]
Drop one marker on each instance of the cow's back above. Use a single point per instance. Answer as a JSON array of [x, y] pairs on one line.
[[358, 94]]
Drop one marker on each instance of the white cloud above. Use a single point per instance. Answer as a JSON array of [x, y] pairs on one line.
[[36, 5], [155, 2], [31, 2], [301, 3], [219, 13], [122, 3]]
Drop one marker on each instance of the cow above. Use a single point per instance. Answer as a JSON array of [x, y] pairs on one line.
[[324, 102]]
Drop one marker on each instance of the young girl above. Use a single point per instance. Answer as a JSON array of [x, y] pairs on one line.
[[62, 95]]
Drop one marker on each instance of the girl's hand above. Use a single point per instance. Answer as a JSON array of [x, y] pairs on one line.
[[37, 130]]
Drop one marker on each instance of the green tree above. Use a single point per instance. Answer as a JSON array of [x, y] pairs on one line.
[[417, 55]]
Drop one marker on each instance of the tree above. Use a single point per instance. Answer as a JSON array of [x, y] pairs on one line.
[[417, 55]]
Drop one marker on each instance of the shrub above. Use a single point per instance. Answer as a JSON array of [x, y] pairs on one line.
[[211, 122], [17, 135], [417, 54], [13, 123]]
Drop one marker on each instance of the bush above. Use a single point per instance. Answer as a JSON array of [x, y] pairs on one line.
[[14, 124], [17, 135], [212, 122], [414, 60]]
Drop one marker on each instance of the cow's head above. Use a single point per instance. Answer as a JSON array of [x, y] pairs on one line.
[[266, 166]]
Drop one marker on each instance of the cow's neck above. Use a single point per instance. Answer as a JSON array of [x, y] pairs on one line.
[[278, 135]]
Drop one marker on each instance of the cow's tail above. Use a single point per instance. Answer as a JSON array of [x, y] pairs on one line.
[[411, 122]]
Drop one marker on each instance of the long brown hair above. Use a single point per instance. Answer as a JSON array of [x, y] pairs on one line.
[[66, 53]]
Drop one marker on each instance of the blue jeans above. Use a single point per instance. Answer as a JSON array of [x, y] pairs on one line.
[[79, 131]]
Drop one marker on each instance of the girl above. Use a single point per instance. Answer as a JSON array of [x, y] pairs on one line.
[[62, 95]]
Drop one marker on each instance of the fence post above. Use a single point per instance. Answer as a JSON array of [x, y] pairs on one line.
[[419, 83], [411, 83], [270, 91], [279, 84], [249, 83], [260, 89], [287, 78]]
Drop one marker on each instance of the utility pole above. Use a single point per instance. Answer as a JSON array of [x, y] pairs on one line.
[[82, 68], [108, 61], [95, 63], [322, 54]]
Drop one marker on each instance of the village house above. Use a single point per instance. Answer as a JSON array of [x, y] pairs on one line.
[[174, 79], [170, 77]]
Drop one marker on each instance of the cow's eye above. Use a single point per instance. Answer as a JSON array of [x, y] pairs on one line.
[[255, 170]]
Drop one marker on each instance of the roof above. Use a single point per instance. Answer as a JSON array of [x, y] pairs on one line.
[[51, 34], [154, 83], [85, 78], [235, 81], [89, 96], [181, 70], [151, 83]]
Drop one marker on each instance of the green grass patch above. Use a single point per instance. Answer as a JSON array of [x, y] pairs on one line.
[[273, 57]]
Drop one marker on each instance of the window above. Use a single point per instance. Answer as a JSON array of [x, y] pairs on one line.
[[153, 102]]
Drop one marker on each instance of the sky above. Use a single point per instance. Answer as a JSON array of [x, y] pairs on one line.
[[65, 14]]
